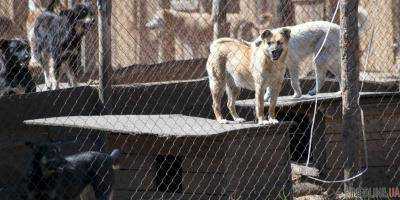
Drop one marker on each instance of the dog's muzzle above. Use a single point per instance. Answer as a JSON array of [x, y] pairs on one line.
[[276, 54]]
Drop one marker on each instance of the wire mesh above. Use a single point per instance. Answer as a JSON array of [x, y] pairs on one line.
[[160, 109]]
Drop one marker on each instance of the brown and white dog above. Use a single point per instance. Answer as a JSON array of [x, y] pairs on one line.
[[56, 42], [253, 67]]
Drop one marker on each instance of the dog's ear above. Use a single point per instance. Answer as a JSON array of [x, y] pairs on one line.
[[4, 43], [265, 34], [286, 33], [258, 42]]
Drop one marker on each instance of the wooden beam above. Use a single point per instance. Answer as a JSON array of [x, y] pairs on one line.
[[104, 23], [220, 28], [19, 16], [286, 13], [144, 41], [332, 7], [167, 51], [71, 3], [396, 35], [352, 130]]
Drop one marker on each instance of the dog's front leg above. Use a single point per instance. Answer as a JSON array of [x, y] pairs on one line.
[[52, 79], [70, 75], [275, 89], [294, 77], [259, 102], [53, 74], [46, 74]]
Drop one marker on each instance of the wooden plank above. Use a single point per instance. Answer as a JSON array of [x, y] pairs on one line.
[[196, 148], [372, 125], [203, 183], [253, 156], [381, 145], [174, 125], [167, 51], [220, 26], [165, 71], [246, 179], [104, 24], [374, 177], [335, 159], [73, 101], [141, 179], [144, 178], [145, 195], [200, 164], [329, 98], [286, 12]]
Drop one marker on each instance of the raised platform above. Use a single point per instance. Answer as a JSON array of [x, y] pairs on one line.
[[161, 125], [207, 159], [307, 99]]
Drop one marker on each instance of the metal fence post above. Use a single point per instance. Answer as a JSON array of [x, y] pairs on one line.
[[352, 130], [104, 23]]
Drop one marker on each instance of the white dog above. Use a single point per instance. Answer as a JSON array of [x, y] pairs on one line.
[[306, 40]]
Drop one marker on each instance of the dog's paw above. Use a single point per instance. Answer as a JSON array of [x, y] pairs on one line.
[[239, 120], [296, 95], [263, 122], [268, 122], [273, 121], [312, 92], [223, 121]]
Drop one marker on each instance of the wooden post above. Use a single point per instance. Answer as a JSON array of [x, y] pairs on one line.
[[352, 131], [332, 8], [319, 143], [286, 14], [144, 48], [167, 51], [71, 3], [219, 18], [396, 38], [104, 24], [19, 16]]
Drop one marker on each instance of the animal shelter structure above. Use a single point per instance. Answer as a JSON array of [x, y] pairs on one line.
[[145, 91], [189, 157]]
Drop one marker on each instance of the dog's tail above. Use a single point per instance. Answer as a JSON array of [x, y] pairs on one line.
[[115, 157]]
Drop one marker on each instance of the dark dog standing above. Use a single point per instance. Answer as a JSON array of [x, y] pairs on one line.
[[54, 177], [14, 71], [56, 42]]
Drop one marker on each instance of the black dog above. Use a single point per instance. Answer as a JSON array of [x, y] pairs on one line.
[[56, 42], [15, 76], [52, 176]]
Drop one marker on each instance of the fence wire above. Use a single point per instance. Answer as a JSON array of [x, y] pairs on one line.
[[156, 135]]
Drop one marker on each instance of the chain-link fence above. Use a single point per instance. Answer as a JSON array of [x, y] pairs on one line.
[[80, 79]]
